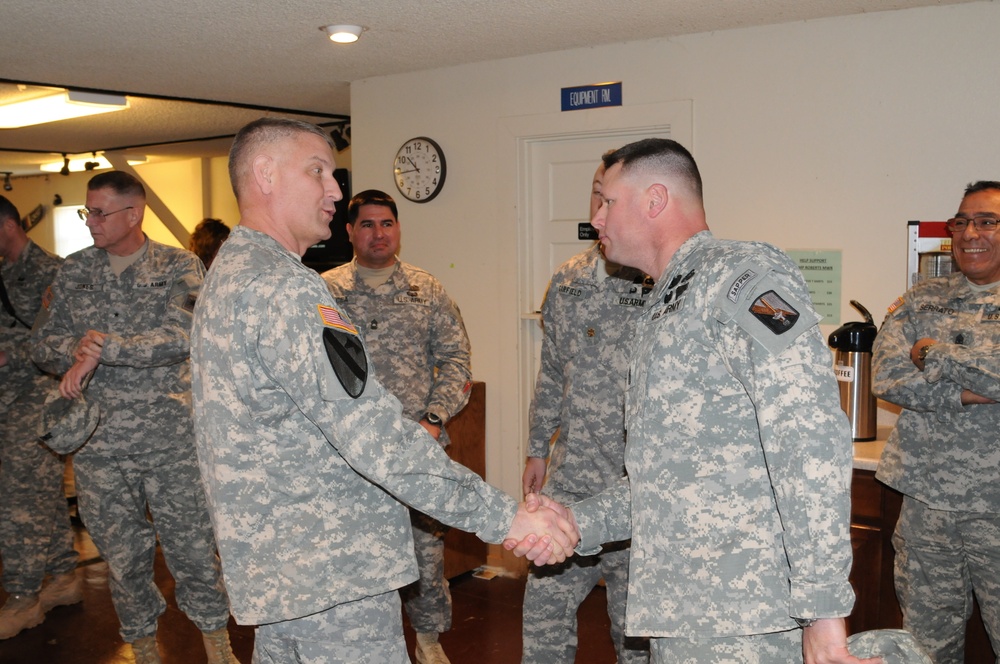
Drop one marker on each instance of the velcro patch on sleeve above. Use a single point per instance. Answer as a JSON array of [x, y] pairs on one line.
[[897, 303], [332, 318], [774, 312], [348, 359]]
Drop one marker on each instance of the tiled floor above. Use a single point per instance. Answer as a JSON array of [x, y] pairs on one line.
[[486, 625]]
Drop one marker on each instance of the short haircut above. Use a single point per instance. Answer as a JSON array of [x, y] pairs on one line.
[[120, 182], [8, 210], [370, 197], [982, 185], [206, 239], [259, 133], [661, 155]]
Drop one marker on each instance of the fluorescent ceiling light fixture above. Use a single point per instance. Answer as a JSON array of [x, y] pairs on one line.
[[62, 105], [343, 34], [81, 163]]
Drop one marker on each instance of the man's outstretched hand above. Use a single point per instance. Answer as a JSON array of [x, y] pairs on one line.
[[543, 547]]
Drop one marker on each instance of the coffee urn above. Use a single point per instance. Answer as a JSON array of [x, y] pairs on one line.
[[853, 365]]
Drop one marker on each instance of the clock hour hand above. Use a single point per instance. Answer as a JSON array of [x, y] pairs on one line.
[[417, 168]]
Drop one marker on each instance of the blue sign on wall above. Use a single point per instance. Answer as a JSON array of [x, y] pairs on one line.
[[592, 96]]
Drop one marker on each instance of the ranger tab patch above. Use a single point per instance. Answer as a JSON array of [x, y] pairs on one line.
[[332, 318], [776, 314]]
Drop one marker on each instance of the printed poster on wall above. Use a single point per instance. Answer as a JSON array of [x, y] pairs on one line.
[[821, 269]]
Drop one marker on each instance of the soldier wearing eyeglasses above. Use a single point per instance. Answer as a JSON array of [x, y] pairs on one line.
[[937, 357], [121, 311]]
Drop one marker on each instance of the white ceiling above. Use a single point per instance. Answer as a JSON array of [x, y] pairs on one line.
[[273, 57]]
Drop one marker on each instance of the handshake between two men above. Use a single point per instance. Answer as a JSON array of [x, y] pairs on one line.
[[544, 531]]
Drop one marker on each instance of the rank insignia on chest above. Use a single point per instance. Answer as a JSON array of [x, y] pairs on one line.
[[332, 318], [776, 314]]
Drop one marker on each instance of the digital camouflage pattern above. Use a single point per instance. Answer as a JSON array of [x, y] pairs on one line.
[[944, 457], [35, 534], [421, 353], [291, 461], [415, 335], [739, 457], [943, 453], [143, 449], [366, 631], [588, 321]]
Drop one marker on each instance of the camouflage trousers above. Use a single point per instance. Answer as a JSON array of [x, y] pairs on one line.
[[428, 599], [36, 537], [774, 648], [114, 493], [553, 595], [366, 631], [942, 558]]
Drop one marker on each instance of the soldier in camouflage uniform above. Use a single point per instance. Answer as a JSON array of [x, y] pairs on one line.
[[738, 455], [296, 439], [121, 311], [588, 319], [35, 533], [418, 343], [938, 356]]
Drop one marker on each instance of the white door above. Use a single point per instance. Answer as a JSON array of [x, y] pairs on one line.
[[556, 155], [558, 185]]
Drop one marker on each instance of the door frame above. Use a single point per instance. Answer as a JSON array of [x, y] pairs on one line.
[[514, 136]]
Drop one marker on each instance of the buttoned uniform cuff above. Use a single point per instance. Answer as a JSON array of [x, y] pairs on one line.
[[592, 520], [820, 600], [934, 365], [111, 349]]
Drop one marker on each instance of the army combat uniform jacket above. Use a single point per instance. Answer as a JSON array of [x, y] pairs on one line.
[[143, 381], [588, 321], [25, 280], [294, 466], [940, 452], [415, 335], [738, 455]]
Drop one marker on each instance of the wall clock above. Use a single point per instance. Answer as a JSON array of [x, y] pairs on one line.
[[419, 169]]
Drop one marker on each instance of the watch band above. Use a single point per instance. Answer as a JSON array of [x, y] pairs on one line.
[[922, 353]]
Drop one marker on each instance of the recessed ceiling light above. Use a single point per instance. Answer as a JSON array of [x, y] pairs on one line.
[[343, 34]]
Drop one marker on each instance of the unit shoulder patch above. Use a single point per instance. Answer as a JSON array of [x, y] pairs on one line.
[[774, 312]]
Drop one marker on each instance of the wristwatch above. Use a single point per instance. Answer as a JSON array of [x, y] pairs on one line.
[[804, 622], [922, 353], [433, 419]]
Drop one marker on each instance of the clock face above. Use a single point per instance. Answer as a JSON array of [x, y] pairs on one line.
[[419, 169]]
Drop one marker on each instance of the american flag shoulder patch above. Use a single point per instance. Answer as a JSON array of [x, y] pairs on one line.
[[896, 304], [332, 318]]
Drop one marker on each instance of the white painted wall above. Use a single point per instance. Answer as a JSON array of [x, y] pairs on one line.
[[823, 134]]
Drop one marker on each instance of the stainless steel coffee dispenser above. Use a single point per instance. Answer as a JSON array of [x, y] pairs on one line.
[[853, 365]]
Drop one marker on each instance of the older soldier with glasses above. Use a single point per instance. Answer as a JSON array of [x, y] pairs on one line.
[[937, 356], [121, 311]]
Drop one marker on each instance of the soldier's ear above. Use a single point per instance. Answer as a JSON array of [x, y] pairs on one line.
[[262, 172], [657, 197]]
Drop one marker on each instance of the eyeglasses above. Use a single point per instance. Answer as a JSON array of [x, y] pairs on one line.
[[87, 213], [982, 223]]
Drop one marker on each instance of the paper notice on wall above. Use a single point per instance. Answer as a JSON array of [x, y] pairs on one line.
[[822, 273]]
